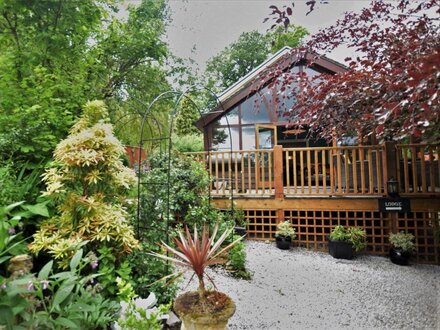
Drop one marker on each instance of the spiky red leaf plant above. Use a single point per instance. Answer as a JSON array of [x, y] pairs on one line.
[[196, 253]]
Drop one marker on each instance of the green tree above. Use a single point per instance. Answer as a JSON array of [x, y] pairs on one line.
[[291, 37], [58, 54], [250, 50]]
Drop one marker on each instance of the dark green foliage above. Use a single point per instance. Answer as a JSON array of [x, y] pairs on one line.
[[56, 55], [148, 270], [357, 236], [51, 300], [189, 183], [19, 182], [187, 115], [237, 260], [110, 268]]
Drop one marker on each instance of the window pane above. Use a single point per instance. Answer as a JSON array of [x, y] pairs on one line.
[[232, 118], [248, 135], [222, 141], [252, 113]]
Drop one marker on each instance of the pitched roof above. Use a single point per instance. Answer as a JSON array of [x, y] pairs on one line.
[[243, 87]]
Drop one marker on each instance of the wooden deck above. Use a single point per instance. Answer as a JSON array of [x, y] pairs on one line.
[[319, 188], [327, 171]]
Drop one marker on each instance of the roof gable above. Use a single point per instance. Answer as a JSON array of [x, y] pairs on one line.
[[243, 87]]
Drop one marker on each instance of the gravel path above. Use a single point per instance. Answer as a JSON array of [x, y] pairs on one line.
[[299, 289]]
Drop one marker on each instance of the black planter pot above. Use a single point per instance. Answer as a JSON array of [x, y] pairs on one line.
[[240, 230], [399, 257], [283, 243], [340, 249]]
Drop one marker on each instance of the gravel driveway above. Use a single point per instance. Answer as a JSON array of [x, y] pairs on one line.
[[299, 289]]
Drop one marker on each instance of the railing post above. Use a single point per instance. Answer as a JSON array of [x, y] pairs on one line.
[[390, 163], [390, 170], [278, 171]]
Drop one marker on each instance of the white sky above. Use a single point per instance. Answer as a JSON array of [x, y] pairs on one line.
[[201, 28]]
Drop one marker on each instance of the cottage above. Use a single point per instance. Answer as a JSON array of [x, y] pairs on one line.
[[276, 172]]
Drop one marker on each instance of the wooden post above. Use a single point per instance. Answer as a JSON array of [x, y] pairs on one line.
[[278, 171], [389, 162], [390, 171]]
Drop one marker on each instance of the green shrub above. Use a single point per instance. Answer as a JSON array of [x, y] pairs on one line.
[[403, 241], [284, 229], [148, 270], [188, 143], [237, 260], [66, 300], [89, 183], [356, 236]]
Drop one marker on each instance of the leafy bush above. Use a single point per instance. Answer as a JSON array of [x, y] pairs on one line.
[[237, 260], [20, 181], [188, 143], [56, 300], [285, 230], [356, 236], [138, 313], [88, 182], [403, 241], [12, 222], [148, 270]]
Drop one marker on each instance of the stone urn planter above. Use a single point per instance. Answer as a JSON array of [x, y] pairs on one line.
[[211, 314]]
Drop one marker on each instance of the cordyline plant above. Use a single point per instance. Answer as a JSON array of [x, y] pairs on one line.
[[391, 87], [197, 253]]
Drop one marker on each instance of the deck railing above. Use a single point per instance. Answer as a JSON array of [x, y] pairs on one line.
[[323, 171], [418, 168]]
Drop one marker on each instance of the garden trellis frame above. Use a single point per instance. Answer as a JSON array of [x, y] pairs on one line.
[[163, 139]]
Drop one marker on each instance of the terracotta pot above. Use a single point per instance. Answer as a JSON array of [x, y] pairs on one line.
[[340, 249], [212, 314], [283, 243]]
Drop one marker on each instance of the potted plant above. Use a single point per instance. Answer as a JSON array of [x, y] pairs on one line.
[[402, 246], [240, 222], [343, 241], [202, 309], [284, 235]]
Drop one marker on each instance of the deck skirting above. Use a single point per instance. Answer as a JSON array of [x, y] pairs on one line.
[[313, 219]]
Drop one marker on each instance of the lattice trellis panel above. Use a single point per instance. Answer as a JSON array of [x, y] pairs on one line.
[[423, 225], [262, 224], [313, 227]]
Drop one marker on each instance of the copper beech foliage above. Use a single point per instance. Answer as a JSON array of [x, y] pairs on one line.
[[197, 253], [391, 87]]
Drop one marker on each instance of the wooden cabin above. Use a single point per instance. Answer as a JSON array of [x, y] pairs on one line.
[[277, 173]]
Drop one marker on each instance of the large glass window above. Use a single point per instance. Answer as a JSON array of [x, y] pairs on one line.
[[252, 113], [248, 137], [221, 140], [232, 118]]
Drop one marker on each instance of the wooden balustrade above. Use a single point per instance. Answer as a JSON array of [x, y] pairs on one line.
[[323, 171], [418, 169]]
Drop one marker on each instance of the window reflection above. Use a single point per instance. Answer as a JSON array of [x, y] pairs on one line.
[[222, 141], [232, 118], [250, 113]]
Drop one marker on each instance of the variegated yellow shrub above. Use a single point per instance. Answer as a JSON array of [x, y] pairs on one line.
[[88, 182]]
